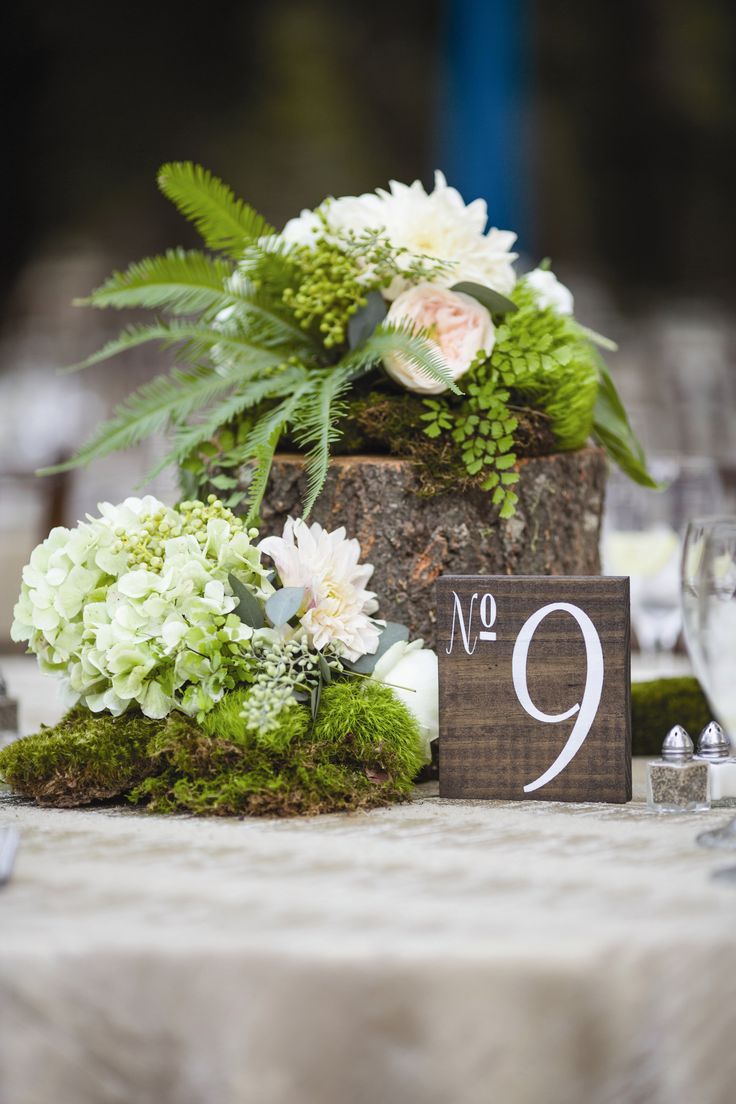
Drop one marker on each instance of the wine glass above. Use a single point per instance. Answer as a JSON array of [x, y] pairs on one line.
[[693, 547], [641, 539], [709, 610], [709, 613]]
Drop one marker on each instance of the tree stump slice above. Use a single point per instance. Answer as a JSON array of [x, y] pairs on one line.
[[413, 540]]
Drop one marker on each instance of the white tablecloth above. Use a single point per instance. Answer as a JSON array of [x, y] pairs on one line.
[[442, 953]]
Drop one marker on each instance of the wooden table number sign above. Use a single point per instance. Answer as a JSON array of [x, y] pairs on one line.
[[534, 688]]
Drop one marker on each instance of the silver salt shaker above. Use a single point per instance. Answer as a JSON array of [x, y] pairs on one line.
[[677, 783], [714, 749]]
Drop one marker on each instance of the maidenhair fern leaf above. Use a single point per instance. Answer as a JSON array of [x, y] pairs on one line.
[[225, 222], [181, 281]]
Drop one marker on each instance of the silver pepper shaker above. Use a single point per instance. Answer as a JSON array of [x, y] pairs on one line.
[[677, 783], [714, 749]]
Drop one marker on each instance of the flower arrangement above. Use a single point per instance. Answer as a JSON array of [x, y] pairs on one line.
[[202, 679], [289, 334]]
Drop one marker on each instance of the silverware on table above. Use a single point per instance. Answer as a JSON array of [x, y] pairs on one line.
[[720, 839], [725, 874], [9, 840]]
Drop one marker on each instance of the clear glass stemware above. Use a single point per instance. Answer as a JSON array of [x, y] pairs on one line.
[[709, 619], [641, 539]]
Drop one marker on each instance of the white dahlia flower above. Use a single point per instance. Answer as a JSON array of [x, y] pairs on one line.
[[436, 224], [337, 605]]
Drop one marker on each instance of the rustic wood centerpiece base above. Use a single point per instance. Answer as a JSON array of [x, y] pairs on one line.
[[412, 540]]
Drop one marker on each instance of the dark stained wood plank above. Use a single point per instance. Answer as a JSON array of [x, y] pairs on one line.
[[491, 746]]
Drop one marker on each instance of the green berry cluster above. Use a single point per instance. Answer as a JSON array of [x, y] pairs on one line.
[[328, 293], [145, 545]]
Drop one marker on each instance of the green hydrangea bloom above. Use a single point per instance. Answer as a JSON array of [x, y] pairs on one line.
[[136, 607]]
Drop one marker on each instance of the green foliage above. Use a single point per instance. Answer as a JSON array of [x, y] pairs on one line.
[[614, 432], [327, 291], [268, 351], [86, 757], [540, 359], [363, 750], [268, 333], [658, 705], [225, 223], [182, 281], [363, 721]]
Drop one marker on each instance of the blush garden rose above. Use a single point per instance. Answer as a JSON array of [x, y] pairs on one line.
[[456, 323]]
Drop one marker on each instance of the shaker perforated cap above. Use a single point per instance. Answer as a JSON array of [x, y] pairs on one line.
[[677, 745], [713, 743]]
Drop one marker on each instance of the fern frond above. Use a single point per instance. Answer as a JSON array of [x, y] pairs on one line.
[[149, 410], [256, 309], [188, 437], [317, 427], [270, 263], [263, 441], [224, 222], [182, 281], [416, 348], [197, 341]]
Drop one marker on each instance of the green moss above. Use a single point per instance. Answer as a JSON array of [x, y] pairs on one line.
[[365, 723], [658, 705], [364, 750], [86, 757], [382, 422]]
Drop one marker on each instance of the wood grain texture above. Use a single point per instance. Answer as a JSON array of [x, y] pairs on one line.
[[490, 747], [413, 540]]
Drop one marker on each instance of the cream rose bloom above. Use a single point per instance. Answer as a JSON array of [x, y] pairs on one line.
[[410, 670], [460, 327]]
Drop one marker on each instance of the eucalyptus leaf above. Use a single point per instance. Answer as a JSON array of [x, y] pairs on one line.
[[314, 699], [364, 321], [325, 670], [492, 300], [392, 633], [283, 605], [612, 429], [248, 608]]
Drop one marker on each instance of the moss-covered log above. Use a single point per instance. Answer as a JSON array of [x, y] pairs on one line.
[[412, 538]]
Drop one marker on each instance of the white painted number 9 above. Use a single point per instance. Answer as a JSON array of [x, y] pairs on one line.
[[586, 710]]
